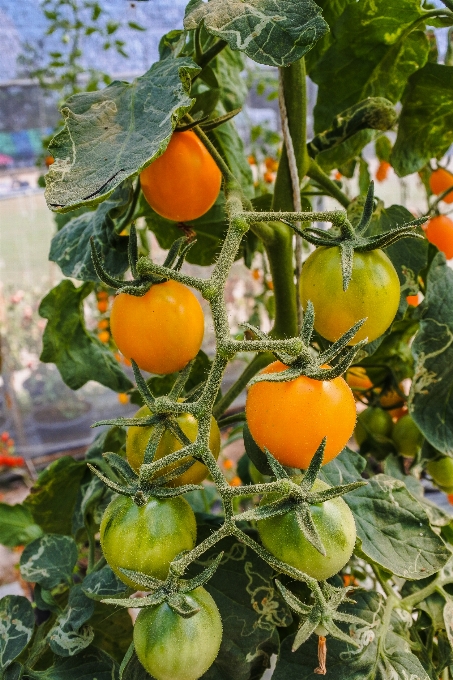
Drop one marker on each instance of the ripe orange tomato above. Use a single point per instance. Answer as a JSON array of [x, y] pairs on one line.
[[382, 171], [103, 306], [162, 330], [104, 336], [271, 164], [184, 182], [291, 418], [439, 181], [440, 232], [49, 160], [269, 177], [358, 380], [412, 300]]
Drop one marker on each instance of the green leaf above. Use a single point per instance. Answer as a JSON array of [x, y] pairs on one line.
[[112, 630], [69, 636], [90, 664], [394, 529], [17, 526], [17, 622], [228, 68], [244, 592], [113, 134], [78, 354], [370, 42], [52, 498], [269, 32], [71, 249], [409, 255], [331, 11], [431, 396], [113, 439], [344, 469], [255, 454], [426, 123], [133, 669], [393, 357], [102, 584], [49, 560], [92, 498], [231, 147]]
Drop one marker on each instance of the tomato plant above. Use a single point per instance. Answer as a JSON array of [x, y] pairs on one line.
[[164, 155], [137, 439], [162, 330], [184, 182], [146, 537], [171, 647], [335, 524], [373, 293], [276, 413]]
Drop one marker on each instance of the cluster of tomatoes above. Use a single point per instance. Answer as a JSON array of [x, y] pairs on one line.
[[162, 331], [7, 452]]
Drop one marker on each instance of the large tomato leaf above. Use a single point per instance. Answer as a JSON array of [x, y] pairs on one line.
[[78, 354], [231, 147], [49, 560], [426, 123], [394, 529], [53, 496], [431, 396], [250, 607], [17, 622], [370, 42], [272, 32], [92, 663], [102, 584], [112, 629], [70, 247], [113, 134], [17, 526], [373, 659], [331, 11]]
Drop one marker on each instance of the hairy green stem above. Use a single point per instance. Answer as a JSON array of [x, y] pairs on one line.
[[316, 173]]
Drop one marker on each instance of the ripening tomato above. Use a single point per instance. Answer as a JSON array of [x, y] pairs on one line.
[[373, 292], [441, 471], [291, 418], [439, 231], [407, 437], [439, 181], [358, 380], [184, 182], [335, 524], [383, 171], [412, 300], [146, 538], [162, 330], [374, 422], [172, 647], [137, 438]]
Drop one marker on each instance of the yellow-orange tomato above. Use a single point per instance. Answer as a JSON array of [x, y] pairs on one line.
[[236, 481], [382, 171], [251, 160], [358, 380], [290, 419], [439, 181], [137, 439], [412, 300], [123, 398], [103, 324], [184, 182], [271, 164], [103, 306], [269, 177], [162, 330], [102, 295], [440, 232], [104, 336]]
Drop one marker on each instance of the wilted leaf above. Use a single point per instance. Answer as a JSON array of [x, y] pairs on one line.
[[114, 133], [269, 32], [49, 560], [78, 354]]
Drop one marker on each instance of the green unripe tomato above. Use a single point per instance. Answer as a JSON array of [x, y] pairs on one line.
[[146, 538], [373, 292], [335, 525], [137, 438], [373, 422], [407, 437], [171, 647], [441, 471]]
